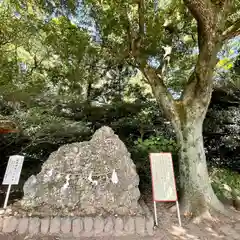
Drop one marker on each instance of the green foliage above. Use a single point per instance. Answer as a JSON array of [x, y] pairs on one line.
[[66, 39], [39, 126], [141, 150], [226, 183], [226, 69], [169, 24], [156, 144]]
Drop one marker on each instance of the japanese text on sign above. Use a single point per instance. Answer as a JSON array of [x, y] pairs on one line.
[[13, 170], [163, 181]]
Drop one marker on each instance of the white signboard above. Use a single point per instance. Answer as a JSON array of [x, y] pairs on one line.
[[13, 170], [163, 181]]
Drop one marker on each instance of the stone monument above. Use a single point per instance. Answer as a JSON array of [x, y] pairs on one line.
[[88, 178]]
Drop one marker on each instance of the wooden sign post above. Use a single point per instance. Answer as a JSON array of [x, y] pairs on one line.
[[163, 181], [12, 174]]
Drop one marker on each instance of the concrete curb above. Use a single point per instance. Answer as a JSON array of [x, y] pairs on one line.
[[79, 226]]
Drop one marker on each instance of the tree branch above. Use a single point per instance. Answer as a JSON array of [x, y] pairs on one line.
[[141, 21], [211, 19], [152, 76], [202, 11], [232, 31], [36, 64], [160, 91], [137, 38], [129, 31]]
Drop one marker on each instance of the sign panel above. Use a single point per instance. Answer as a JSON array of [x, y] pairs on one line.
[[13, 170], [163, 180]]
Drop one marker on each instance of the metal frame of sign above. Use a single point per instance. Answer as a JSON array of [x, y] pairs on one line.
[[153, 191]]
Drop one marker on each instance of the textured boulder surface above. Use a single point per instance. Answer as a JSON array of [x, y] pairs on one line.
[[92, 177]]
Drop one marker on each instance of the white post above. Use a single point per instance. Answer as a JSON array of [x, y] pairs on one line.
[[178, 213], [7, 196], [155, 213]]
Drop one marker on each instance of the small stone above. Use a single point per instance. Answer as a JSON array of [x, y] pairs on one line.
[[8, 211], [34, 224], [66, 225], [118, 227], [23, 225], [75, 149], [88, 227], [109, 225], [140, 225], [10, 224], [55, 225], [2, 211], [77, 227], [150, 226], [98, 225], [45, 223], [15, 214], [129, 226], [173, 209]]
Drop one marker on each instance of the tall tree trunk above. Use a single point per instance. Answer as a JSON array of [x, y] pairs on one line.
[[197, 195], [187, 116]]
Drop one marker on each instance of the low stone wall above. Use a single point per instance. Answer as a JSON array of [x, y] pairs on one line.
[[79, 226]]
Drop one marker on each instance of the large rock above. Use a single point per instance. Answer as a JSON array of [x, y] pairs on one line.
[[91, 177]]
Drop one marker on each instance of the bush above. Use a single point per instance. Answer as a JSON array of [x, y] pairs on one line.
[[225, 183], [154, 144]]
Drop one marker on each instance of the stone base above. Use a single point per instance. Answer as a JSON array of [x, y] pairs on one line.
[[79, 226]]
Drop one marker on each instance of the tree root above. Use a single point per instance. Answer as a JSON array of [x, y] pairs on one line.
[[205, 209], [218, 206], [205, 216], [211, 215]]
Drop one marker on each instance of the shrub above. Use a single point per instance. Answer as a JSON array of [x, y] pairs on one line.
[[140, 154], [226, 183]]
